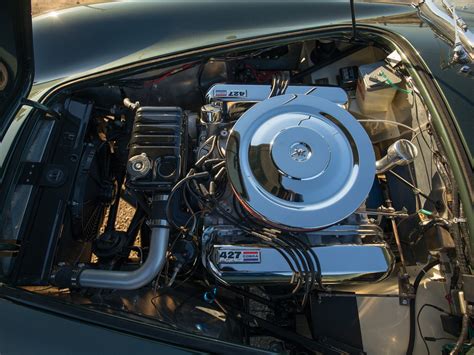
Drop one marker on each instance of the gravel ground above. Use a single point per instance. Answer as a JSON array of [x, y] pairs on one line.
[[124, 216]]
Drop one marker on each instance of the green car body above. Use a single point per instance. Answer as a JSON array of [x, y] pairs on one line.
[[126, 37]]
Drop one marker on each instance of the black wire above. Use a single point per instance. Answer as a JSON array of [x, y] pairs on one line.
[[315, 259], [309, 272], [300, 268], [211, 161], [436, 339], [192, 192], [301, 263], [309, 256], [275, 243], [186, 200], [413, 187], [419, 277], [275, 83], [415, 103], [418, 321], [137, 220], [310, 259], [294, 265], [249, 230], [414, 183], [177, 188], [295, 252], [415, 92]]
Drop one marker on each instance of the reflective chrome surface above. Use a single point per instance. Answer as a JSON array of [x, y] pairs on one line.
[[211, 113], [132, 280], [450, 27], [300, 162], [402, 152], [255, 93], [340, 263], [138, 166]]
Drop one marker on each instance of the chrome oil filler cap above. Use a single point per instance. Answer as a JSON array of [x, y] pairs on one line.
[[300, 162]]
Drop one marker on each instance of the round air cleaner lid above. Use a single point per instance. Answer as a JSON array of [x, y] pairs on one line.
[[300, 162]]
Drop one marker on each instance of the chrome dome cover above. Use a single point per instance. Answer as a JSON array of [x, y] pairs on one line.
[[300, 162]]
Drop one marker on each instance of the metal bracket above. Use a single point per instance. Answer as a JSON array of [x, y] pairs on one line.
[[30, 173], [33, 173], [405, 290]]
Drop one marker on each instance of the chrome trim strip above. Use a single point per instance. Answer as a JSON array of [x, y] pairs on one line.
[[341, 263], [257, 93]]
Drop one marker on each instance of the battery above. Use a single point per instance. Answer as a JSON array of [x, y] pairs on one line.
[[376, 87]]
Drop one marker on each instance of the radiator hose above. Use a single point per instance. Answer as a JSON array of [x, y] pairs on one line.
[[131, 280], [125, 280]]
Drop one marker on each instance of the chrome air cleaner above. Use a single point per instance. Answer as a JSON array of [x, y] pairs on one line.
[[300, 162]]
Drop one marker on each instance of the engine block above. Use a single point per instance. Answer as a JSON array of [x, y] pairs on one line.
[[299, 163]]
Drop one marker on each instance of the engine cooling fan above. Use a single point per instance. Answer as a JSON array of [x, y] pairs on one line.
[[93, 191]]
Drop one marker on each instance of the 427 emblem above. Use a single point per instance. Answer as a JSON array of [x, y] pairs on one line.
[[238, 256]]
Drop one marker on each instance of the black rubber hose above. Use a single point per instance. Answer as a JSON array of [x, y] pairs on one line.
[[462, 336], [419, 277]]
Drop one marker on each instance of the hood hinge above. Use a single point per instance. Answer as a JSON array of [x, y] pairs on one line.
[[47, 110]]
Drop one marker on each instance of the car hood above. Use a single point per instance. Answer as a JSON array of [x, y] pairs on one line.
[[120, 33], [16, 58], [76, 42]]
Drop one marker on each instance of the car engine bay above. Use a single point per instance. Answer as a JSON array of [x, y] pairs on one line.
[[271, 188]]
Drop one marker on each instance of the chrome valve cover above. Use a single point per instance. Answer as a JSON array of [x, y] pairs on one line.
[[300, 162]]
